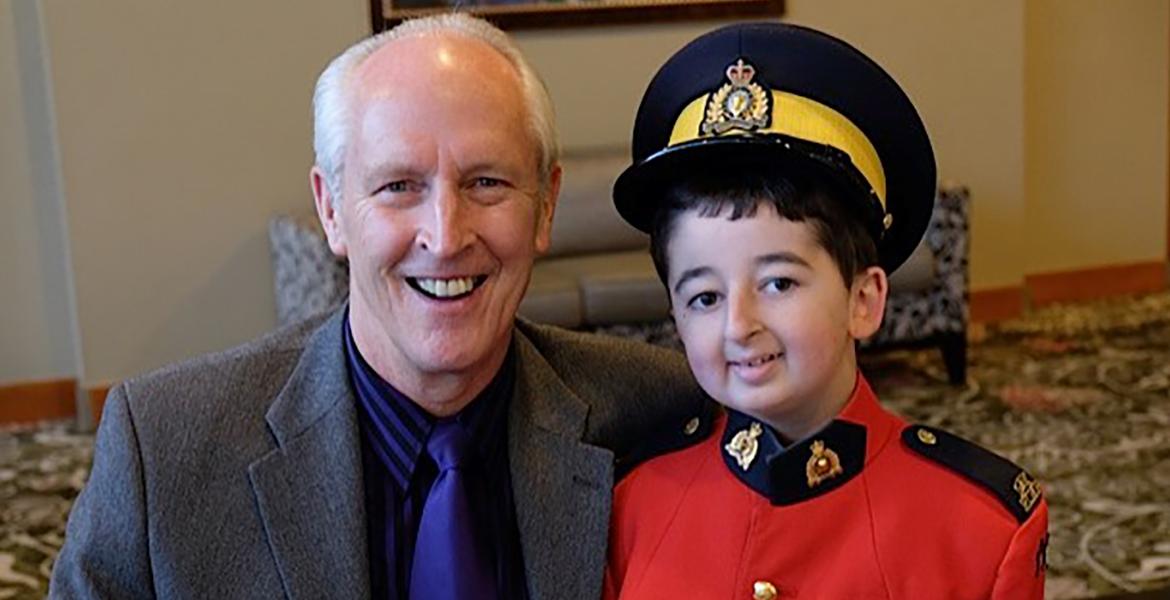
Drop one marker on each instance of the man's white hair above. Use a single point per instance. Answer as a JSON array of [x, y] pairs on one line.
[[331, 98]]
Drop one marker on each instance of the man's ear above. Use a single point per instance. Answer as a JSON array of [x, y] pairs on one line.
[[867, 302], [546, 210], [326, 212]]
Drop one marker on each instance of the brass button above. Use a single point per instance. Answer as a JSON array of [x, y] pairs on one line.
[[927, 437], [763, 590], [692, 426]]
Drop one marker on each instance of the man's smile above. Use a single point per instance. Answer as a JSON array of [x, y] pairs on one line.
[[449, 288]]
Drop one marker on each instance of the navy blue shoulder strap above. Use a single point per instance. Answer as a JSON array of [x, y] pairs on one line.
[[1014, 487], [672, 436]]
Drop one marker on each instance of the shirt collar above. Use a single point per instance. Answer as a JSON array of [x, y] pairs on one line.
[[818, 464], [397, 428]]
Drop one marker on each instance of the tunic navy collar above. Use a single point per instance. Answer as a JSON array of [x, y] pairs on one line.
[[806, 469], [397, 428]]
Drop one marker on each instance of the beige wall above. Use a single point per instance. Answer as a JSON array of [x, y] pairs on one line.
[[960, 62], [183, 126], [1096, 110], [26, 347], [36, 335]]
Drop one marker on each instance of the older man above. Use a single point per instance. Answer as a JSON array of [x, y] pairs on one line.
[[420, 443]]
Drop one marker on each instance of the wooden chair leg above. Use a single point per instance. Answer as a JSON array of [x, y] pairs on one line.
[[954, 354]]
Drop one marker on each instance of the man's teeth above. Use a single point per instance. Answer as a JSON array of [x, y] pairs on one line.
[[446, 288]]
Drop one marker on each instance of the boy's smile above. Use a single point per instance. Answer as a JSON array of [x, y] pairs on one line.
[[767, 322], [755, 369]]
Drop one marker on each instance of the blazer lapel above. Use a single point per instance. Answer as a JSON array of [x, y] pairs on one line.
[[309, 490], [562, 486]]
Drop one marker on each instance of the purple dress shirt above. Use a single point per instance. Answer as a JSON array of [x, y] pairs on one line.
[[398, 475]]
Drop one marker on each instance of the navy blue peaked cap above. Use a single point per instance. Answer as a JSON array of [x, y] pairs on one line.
[[782, 96]]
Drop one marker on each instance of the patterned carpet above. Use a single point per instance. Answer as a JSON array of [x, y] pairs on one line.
[[1078, 394]]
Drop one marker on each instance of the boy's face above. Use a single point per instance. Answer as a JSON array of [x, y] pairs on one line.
[[766, 320]]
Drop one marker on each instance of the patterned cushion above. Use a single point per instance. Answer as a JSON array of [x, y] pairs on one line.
[[941, 307], [309, 278]]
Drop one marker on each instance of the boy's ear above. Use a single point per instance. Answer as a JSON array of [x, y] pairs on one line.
[[867, 302]]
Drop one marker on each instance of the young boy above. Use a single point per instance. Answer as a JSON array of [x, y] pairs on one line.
[[781, 174]]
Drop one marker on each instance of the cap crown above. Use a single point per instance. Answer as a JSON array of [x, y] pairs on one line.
[[798, 97]]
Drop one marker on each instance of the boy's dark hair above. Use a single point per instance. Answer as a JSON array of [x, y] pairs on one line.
[[797, 195]]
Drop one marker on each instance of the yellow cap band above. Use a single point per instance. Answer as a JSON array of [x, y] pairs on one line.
[[803, 119]]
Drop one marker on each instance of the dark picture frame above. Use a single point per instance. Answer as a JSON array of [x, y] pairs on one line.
[[533, 14]]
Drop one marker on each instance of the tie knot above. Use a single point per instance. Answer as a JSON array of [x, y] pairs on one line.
[[449, 444]]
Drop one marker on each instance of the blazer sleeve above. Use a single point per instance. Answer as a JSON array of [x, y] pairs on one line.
[[1021, 572], [105, 554]]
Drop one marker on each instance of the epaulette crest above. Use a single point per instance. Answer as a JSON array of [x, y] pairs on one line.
[[1019, 491], [669, 438]]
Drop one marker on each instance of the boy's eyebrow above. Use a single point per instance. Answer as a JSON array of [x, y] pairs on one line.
[[690, 274], [782, 257], [766, 259]]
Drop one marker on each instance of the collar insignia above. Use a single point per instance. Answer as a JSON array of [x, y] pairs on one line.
[[744, 445], [739, 104], [823, 464], [1028, 490], [754, 454]]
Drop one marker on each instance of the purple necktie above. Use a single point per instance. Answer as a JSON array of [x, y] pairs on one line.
[[449, 558]]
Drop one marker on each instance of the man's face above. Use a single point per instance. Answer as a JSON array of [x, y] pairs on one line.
[[442, 211]]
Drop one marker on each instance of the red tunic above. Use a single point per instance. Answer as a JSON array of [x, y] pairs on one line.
[[893, 523]]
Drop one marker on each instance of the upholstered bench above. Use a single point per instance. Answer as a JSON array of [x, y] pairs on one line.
[[928, 294]]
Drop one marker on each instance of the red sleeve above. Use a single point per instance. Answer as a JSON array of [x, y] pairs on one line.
[[1021, 572]]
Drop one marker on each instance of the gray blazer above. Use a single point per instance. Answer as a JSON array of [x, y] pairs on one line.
[[238, 475]]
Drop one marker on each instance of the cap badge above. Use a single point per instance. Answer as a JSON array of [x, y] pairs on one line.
[[744, 445], [823, 464], [1028, 490], [739, 104]]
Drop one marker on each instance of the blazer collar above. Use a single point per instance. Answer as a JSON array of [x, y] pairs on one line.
[[562, 485], [309, 488], [816, 465]]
